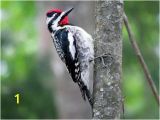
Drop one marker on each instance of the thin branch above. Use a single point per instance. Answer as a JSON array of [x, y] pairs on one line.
[[141, 60]]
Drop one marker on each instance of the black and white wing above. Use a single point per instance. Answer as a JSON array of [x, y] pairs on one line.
[[85, 48], [69, 52], [66, 49]]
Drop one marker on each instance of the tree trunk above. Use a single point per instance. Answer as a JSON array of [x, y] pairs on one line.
[[108, 68]]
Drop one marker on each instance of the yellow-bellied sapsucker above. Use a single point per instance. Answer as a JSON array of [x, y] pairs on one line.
[[74, 46]]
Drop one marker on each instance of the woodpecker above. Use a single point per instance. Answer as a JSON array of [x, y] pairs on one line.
[[74, 47]]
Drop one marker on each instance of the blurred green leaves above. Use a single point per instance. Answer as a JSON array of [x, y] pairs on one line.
[[22, 12], [138, 98], [21, 67], [19, 37]]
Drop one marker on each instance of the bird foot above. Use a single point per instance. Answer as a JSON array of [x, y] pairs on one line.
[[101, 57]]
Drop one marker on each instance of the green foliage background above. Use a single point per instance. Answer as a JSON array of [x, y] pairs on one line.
[[25, 73], [144, 20]]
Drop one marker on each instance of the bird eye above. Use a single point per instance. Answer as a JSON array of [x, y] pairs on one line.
[[50, 14]]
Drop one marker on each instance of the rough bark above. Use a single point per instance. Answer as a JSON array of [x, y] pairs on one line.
[[107, 70]]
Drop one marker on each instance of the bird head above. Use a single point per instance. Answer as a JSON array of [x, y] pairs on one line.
[[58, 17]]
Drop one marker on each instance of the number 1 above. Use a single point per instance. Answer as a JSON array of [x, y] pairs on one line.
[[17, 96]]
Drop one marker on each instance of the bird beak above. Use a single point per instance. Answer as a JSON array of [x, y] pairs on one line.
[[67, 11]]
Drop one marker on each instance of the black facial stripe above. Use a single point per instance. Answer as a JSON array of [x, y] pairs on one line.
[[50, 14], [56, 16], [50, 23]]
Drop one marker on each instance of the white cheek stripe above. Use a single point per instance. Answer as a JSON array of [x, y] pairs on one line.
[[50, 18], [71, 45]]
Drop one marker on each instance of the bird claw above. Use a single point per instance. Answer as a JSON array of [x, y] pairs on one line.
[[102, 58]]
